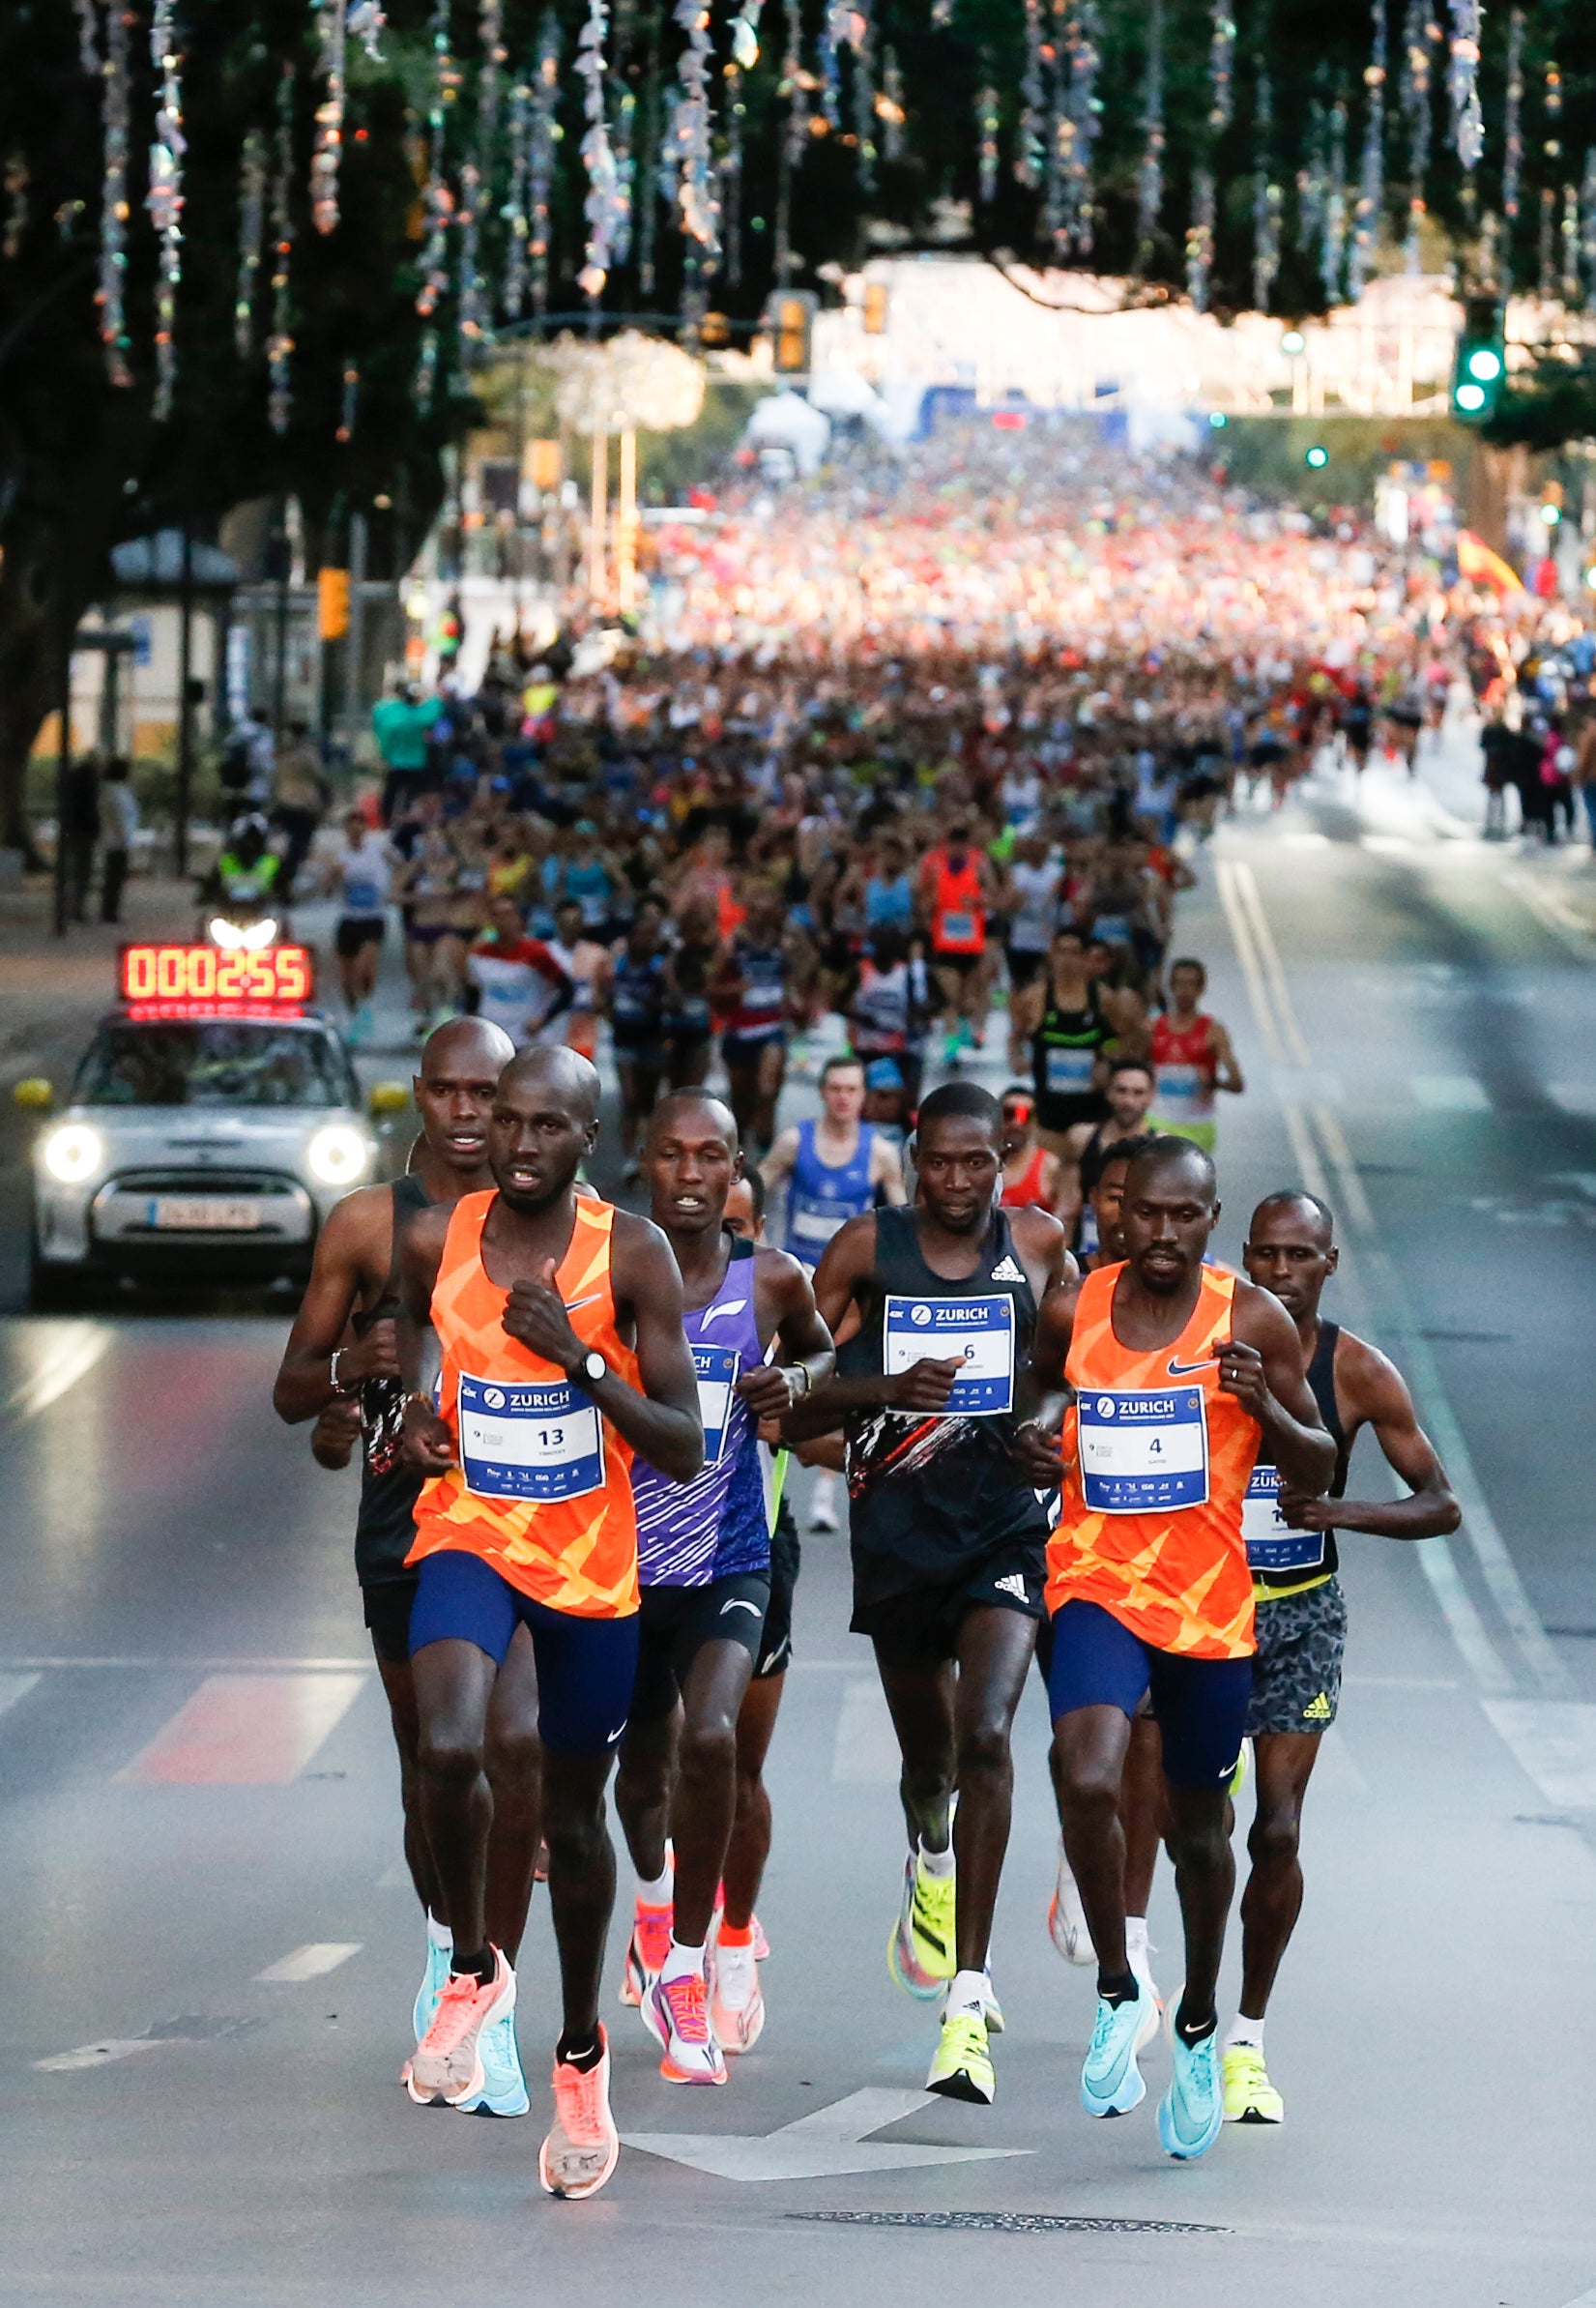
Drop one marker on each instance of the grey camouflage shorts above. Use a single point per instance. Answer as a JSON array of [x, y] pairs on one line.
[[1296, 1675]]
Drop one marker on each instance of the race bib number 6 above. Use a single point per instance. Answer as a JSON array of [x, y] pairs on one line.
[[981, 1332], [532, 1443], [1143, 1450]]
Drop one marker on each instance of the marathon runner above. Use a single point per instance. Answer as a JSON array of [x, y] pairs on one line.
[[1165, 1376], [1033, 895], [1301, 1612], [361, 874], [558, 1322], [1129, 1092], [888, 1010], [1032, 1175], [519, 984], [1192, 1058], [947, 1542], [637, 1026], [751, 980], [704, 1558], [957, 888], [1068, 1022], [352, 1390], [586, 964]]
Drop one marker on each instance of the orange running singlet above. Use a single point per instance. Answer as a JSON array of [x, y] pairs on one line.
[[958, 918], [543, 1488], [1156, 1465]]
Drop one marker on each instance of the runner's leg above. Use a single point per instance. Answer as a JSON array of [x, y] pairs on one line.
[[994, 1649], [513, 1759], [749, 1848], [1284, 1762]]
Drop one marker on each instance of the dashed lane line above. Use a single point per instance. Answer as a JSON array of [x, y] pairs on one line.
[[313, 1961]]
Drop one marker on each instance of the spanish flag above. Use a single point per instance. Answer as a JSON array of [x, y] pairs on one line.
[[1476, 560]]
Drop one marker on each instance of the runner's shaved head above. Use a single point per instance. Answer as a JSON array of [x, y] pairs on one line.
[[467, 1045], [1171, 1152], [1296, 1198], [677, 1104], [565, 1072]]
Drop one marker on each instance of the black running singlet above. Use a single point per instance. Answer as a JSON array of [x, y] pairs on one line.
[[1296, 1557], [1065, 1051], [930, 1495], [384, 1530]]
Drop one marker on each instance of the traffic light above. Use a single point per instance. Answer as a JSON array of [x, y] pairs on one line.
[[1479, 366], [1316, 457], [875, 308], [333, 604], [791, 317], [713, 330], [1217, 419], [1551, 507]]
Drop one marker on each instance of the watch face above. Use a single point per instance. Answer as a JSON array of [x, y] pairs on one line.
[[595, 1366]]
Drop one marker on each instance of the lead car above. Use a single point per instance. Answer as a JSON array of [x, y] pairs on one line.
[[213, 1122]]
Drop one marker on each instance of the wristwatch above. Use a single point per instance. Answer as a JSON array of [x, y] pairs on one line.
[[589, 1369]]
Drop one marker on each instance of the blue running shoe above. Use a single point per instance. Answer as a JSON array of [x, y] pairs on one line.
[[1111, 2082], [434, 1981], [504, 2086], [1192, 2111]]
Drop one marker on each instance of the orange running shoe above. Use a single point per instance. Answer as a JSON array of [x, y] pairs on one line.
[[645, 1952], [583, 2147], [678, 2014], [447, 2061]]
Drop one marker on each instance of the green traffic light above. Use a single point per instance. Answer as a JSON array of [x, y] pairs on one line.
[[1316, 457], [1218, 420], [1485, 364]]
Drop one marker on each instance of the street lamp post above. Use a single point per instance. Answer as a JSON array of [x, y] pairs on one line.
[[597, 550]]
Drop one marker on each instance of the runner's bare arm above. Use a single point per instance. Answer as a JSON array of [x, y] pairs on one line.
[[351, 1247], [886, 1169], [1377, 1396], [1261, 1363], [781, 1157], [1045, 1393], [1226, 1073], [1069, 1197], [844, 1266], [808, 1359], [428, 1444], [1025, 1009]]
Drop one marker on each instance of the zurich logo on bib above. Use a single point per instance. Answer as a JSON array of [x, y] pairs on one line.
[[1144, 1450]]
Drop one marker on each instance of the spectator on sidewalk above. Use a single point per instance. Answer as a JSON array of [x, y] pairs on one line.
[[300, 795], [79, 831], [403, 725], [249, 758], [120, 823]]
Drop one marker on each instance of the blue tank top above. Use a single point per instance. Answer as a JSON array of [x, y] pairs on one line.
[[889, 905], [822, 1197], [691, 1533]]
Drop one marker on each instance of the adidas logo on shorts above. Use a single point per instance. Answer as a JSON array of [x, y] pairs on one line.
[[1012, 1583], [1006, 1270], [1317, 1711]]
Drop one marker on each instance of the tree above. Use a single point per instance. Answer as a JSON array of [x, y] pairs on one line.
[[1548, 405]]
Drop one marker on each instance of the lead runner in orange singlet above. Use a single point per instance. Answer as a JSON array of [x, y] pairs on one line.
[[1163, 1375], [558, 1322]]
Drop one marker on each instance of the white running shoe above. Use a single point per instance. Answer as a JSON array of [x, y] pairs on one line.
[[736, 2001], [1066, 1918], [823, 1503]]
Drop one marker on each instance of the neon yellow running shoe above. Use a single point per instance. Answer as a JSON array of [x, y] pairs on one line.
[[961, 2068], [1243, 1769], [920, 1953], [1249, 2095]]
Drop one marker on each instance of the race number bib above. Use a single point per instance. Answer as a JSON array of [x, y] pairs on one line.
[[958, 930], [1273, 1545], [979, 1330], [1069, 1071], [1142, 1451], [817, 1221], [718, 1368], [536, 1443]]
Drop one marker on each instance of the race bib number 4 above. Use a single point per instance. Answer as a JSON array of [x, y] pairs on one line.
[[532, 1443], [1142, 1451], [1273, 1545], [981, 1332], [718, 1368]]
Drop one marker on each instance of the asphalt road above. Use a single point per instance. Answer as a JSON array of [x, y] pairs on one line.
[[198, 1789]]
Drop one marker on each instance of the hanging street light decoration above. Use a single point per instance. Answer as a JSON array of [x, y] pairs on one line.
[[437, 200], [544, 136], [1463, 82], [514, 215], [252, 226], [163, 199], [1030, 142], [1199, 240], [889, 109], [1266, 201], [1371, 168], [116, 113], [1333, 247], [1149, 175], [279, 345], [986, 132], [1418, 34]]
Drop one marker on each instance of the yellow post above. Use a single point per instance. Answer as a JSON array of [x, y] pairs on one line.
[[598, 552], [625, 524]]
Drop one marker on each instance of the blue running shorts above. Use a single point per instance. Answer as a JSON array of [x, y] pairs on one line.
[[1200, 1704], [586, 1667]]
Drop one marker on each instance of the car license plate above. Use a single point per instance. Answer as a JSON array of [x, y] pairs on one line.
[[204, 1214]]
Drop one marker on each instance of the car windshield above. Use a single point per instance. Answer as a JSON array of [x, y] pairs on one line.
[[214, 1061]]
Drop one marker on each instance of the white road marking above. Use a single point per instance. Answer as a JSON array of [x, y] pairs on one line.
[[245, 1730], [1451, 1093], [310, 1962], [13, 1688], [866, 1749], [1388, 846], [97, 2055], [1306, 841], [1553, 913], [1586, 2300], [820, 2147], [240, 1666], [1554, 1743], [69, 1353]]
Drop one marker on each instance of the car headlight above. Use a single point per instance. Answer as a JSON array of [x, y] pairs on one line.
[[337, 1155], [73, 1153]]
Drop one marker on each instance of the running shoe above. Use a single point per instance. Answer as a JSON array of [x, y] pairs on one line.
[[823, 1503], [1140, 1964], [736, 2001], [961, 2066], [503, 2086], [449, 2059], [1111, 2082], [1066, 1918], [583, 2145], [762, 1946], [1249, 2095], [919, 1954], [434, 1981], [1242, 1771], [646, 1953], [678, 2014], [1193, 2109]]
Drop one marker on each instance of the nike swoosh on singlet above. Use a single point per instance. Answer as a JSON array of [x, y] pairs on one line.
[[1184, 1370]]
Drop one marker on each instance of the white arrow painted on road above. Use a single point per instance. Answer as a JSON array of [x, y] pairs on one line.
[[832, 2140]]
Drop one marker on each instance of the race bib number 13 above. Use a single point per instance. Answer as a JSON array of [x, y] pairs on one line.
[[533, 1443]]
